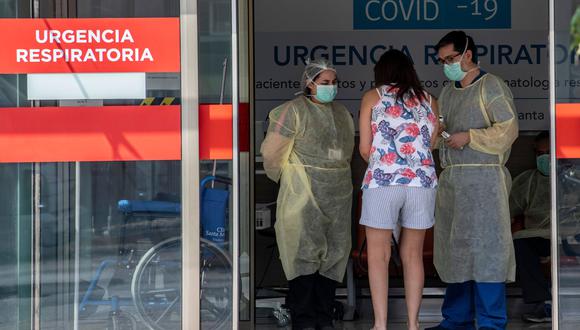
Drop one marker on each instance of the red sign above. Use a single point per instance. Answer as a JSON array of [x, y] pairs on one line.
[[115, 133], [567, 130], [110, 133], [216, 130], [89, 45]]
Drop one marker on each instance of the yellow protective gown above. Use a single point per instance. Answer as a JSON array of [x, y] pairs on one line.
[[473, 238], [530, 197], [308, 149]]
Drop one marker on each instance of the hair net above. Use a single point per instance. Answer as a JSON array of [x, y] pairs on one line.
[[313, 69]]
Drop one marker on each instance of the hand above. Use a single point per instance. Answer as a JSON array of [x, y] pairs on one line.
[[458, 140], [440, 128]]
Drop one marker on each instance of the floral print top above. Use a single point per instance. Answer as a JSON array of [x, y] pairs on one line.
[[401, 148]]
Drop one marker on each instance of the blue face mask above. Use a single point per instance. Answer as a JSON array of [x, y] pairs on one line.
[[326, 93], [543, 164]]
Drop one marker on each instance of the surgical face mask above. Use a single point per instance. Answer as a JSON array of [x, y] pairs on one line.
[[543, 164], [326, 93], [453, 71]]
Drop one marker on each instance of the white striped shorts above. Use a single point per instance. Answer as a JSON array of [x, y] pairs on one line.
[[383, 207]]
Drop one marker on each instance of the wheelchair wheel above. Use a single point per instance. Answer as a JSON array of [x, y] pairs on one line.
[[156, 286], [121, 321], [216, 287]]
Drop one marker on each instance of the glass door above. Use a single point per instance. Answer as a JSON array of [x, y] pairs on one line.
[[125, 165], [15, 208], [224, 267], [91, 165], [565, 67]]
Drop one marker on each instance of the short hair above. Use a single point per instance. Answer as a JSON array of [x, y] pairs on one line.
[[459, 39]]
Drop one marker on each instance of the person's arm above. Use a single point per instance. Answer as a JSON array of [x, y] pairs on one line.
[[349, 148], [436, 127], [279, 141], [365, 130], [498, 138], [500, 111], [519, 196]]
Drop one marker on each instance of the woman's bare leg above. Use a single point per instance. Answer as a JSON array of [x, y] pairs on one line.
[[412, 258], [379, 254]]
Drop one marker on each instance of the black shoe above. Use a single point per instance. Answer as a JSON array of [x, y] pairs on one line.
[[542, 314]]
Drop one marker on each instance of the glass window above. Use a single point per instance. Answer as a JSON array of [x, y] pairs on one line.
[[567, 85], [216, 175], [91, 245]]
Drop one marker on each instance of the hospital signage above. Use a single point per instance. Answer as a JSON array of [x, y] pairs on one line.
[[512, 42], [431, 14], [89, 45], [89, 59]]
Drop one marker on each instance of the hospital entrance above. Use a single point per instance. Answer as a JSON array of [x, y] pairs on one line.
[[134, 193], [287, 36]]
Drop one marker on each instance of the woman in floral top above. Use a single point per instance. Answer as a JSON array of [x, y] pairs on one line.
[[398, 128]]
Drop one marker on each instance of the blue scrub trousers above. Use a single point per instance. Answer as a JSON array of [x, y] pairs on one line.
[[465, 302]]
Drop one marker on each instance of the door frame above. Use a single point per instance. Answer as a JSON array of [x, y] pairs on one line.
[[553, 172], [190, 229]]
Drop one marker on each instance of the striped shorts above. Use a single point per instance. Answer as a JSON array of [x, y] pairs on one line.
[[383, 207]]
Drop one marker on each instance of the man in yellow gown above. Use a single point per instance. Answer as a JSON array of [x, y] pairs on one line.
[[474, 251]]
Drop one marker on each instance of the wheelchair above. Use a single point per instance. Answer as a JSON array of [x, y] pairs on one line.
[[155, 274]]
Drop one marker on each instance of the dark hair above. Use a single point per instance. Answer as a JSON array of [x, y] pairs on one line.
[[459, 39], [543, 135], [394, 67]]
